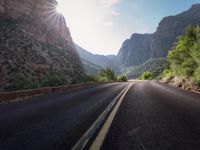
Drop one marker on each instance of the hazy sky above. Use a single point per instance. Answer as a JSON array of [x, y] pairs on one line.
[[101, 26]]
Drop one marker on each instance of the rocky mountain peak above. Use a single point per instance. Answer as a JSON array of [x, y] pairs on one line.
[[141, 47]]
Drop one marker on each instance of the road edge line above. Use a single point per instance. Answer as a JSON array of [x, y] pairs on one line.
[[82, 142], [96, 145]]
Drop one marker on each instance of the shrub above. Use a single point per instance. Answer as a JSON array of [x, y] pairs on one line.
[[20, 82], [108, 73], [196, 76], [184, 57], [122, 78], [147, 76], [167, 74], [54, 79]]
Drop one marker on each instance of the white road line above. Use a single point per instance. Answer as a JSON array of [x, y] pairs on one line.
[[98, 122], [96, 145]]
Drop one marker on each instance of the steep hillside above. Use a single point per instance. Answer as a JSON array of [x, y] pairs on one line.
[[34, 42], [141, 47], [90, 68], [99, 60], [153, 65]]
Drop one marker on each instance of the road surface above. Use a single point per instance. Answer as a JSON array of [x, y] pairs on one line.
[[53, 122], [152, 116]]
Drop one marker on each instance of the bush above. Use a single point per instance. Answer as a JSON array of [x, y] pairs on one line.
[[147, 76], [196, 76], [122, 78], [20, 82], [54, 79], [104, 75], [93, 78], [108, 73], [167, 75], [184, 57]]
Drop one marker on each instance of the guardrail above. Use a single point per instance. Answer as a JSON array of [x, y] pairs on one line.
[[25, 94]]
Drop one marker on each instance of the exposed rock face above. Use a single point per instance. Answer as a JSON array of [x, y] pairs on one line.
[[141, 47], [38, 17], [34, 40], [136, 50]]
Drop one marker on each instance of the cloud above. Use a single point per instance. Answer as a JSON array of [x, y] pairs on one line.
[[108, 24], [109, 3], [106, 11]]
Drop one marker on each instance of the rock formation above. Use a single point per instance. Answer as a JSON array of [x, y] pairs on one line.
[[34, 41], [141, 47]]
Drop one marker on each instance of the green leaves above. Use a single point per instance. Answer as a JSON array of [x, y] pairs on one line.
[[122, 78], [108, 73], [54, 79], [19, 81], [184, 57], [147, 76]]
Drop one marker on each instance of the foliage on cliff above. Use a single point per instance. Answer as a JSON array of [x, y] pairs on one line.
[[147, 76], [184, 57], [141, 47], [31, 47], [153, 65], [106, 75]]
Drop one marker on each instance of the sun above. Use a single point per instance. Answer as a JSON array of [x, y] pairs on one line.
[[59, 8]]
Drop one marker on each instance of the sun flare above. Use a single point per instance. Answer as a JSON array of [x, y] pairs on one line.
[[59, 8]]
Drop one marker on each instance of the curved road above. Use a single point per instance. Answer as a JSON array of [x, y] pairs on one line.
[[152, 116], [56, 121]]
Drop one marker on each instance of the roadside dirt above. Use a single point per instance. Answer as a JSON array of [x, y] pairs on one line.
[[186, 84]]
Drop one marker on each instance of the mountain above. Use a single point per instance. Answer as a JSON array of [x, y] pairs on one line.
[[154, 65], [90, 68], [141, 47], [35, 41], [99, 60]]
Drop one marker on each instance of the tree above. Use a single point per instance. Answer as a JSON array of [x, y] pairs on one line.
[[20, 82], [184, 57], [147, 76], [108, 73], [54, 79], [122, 78]]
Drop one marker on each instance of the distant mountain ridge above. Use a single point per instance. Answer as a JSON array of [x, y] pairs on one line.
[[141, 47], [99, 60]]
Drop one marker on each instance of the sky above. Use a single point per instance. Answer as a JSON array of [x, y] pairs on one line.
[[101, 26]]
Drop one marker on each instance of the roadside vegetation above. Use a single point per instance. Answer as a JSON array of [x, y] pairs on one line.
[[154, 65], [106, 75], [146, 76], [21, 81], [184, 58]]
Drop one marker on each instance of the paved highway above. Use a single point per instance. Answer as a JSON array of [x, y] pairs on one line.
[[56, 121], [152, 116]]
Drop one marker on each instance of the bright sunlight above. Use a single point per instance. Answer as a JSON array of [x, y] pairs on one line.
[[59, 8]]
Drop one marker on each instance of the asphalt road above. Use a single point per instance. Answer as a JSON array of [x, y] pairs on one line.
[[56, 121], [154, 116]]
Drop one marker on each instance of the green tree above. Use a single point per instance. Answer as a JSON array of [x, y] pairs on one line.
[[122, 78], [184, 57], [20, 82], [108, 73], [54, 79], [147, 76]]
